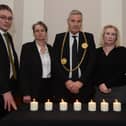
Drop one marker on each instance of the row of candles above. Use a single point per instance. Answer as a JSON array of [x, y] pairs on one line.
[[77, 106]]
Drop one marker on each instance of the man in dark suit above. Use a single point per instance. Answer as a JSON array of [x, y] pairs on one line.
[[74, 63], [8, 62]]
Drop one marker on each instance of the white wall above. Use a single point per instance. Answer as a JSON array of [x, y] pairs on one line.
[[54, 13], [111, 11], [124, 22], [33, 11], [9, 2], [18, 24]]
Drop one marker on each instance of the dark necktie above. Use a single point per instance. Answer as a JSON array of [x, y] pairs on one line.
[[10, 54], [74, 59]]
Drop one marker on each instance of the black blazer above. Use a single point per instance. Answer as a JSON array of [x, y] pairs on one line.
[[5, 66], [86, 67], [31, 70]]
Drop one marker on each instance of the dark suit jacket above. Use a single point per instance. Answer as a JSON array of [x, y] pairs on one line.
[[86, 67], [31, 71], [5, 67]]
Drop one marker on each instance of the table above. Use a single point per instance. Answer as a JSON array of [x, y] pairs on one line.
[[25, 117]]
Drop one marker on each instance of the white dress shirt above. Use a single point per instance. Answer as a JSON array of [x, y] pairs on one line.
[[46, 62], [71, 40]]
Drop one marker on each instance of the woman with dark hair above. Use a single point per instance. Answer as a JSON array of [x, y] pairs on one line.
[[36, 66]]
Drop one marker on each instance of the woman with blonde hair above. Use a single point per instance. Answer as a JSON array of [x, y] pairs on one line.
[[110, 74]]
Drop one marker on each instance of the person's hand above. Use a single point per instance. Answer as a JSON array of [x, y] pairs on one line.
[[9, 101], [103, 88], [73, 87], [69, 84], [26, 99], [76, 87]]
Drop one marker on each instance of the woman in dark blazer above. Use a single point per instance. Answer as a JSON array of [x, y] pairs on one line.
[[36, 66]]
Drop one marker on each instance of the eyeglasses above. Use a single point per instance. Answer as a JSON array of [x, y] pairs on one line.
[[6, 18]]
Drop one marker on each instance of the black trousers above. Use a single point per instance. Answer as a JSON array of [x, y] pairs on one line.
[[44, 91], [3, 112]]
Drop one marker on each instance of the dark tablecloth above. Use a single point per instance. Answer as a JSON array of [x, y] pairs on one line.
[[43, 118]]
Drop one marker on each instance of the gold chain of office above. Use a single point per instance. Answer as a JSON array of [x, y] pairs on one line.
[[84, 45]]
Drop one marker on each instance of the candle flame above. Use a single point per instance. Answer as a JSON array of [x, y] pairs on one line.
[[34, 99], [116, 100], [91, 100], [48, 100], [77, 100], [62, 100], [103, 100]]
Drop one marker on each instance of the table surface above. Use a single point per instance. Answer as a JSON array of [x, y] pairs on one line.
[[71, 116]]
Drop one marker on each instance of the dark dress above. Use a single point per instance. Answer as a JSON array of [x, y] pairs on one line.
[[111, 70]]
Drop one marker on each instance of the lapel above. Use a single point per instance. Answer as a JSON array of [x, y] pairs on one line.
[[5, 54], [51, 56], [36, 58], [3, 46], [81, 50], [66, 52], [14, 52], [50, 51]]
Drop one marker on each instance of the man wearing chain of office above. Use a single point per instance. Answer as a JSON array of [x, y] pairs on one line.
[[74, 53]]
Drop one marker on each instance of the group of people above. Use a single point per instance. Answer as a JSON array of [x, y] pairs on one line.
[[73, 68]]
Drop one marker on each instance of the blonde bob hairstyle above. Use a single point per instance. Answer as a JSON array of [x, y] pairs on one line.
[[117, 42]]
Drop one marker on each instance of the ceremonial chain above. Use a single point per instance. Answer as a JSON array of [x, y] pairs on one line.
[[84, 45]]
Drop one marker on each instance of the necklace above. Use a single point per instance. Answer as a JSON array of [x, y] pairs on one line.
[[84, 45]]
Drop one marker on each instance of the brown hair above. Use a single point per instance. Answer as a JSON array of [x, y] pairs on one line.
[[39, 23], [5, 7]]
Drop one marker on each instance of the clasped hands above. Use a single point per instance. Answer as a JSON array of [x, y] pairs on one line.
[[73, 86]]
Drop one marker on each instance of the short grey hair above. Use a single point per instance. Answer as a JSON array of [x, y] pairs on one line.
[[75, 12]]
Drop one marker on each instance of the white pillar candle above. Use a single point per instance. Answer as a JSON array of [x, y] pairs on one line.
[[34, 105], [116, 106], [91, 106], [48, 105], [104, 106], [77, 106], [63, 106]]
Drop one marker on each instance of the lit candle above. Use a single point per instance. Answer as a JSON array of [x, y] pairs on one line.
[[116, 106], [63, 106], [91, 106], [77, 106], [104, 106], [34, 105], [48, 105]]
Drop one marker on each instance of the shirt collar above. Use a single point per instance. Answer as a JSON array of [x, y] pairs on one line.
[[2, 32], [38, 46], [77, 34]]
